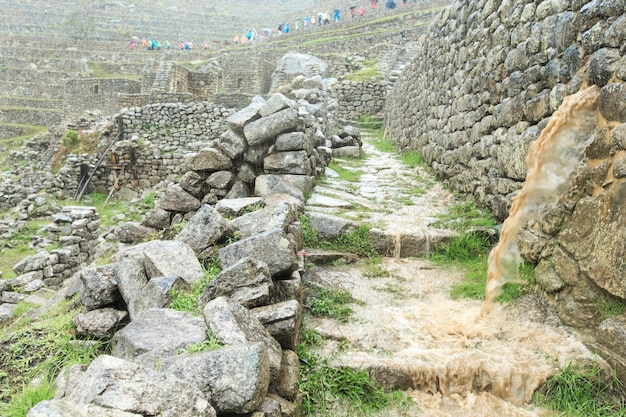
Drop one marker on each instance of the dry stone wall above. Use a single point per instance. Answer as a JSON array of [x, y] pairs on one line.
[[488, 78], [75, 230]]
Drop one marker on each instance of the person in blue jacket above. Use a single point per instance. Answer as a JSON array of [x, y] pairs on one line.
[[336, 15]]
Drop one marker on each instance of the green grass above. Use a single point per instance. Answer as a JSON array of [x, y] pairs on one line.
[[9, 256], [345, 174], [363, 75], [39, 350], [469, 252], [187, 301], [332, 303], [373, 268], [370, 123], [412, 159], [577, 391], [211, 343], [28, 397], [325, 388], [611, 308], [464, 216], [384, 145], [357, 241]]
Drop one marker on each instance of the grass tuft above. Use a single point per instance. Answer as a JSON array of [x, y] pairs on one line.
[[577, 391], [324, 387], [328, 302], [357, 241]]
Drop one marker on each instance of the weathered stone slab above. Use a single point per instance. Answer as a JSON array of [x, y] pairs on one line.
[[268, 218], [204, 229], [248, 282], [590, 228], [266, 185], [194, 183], [31, 263], [235, 379], [118, 384], [6, 312], [99, 287], [210, 159], [272, 247], [289, 289], [269, 127], [131, 278], [275, 104], [232, 144], [330, 227], [235, 207], [283, 321], [159, 330], [99, 323], [64, 408], [163, 258], [244, 116], [157, 293], [232, 324], [157, 218], [287, 385], [295, 141], [132, 232], [177, 199], [326, 201], [294, 162], [347, 152]]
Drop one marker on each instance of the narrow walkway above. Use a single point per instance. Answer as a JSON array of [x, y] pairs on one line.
[[408, 331]]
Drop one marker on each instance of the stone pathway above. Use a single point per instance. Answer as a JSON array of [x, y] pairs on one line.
[[407, 330]]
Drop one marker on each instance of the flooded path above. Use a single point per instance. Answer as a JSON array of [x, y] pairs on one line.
[[407, 330]]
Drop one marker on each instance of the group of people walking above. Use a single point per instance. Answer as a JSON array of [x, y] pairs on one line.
[[305, 23]]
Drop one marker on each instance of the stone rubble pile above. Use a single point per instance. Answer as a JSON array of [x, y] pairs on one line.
[[75, 230], [253, 308], [242, 197]]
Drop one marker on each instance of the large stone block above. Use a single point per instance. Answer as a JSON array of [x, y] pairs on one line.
[[209, 160], [204, 229], [248, 282], [165, 258], [295, 162], [158, 332], [235, 379], [114, 383], [270, 127], [232, 324], [272, 247]]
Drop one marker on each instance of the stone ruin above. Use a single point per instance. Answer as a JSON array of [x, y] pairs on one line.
[[240, 196]]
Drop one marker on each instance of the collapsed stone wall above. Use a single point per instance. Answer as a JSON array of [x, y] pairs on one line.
[[489, 76], [75, 230]]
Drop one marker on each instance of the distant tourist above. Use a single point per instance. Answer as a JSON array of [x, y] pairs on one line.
[[361, 11], [390, 4], [286, 27], [307, 22], [326, 17], [374, 4], [352, 12], [336, 16], [167, 45], [133, 45]]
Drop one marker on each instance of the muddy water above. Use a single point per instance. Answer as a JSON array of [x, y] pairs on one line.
[[453, 360], [551, 161]]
